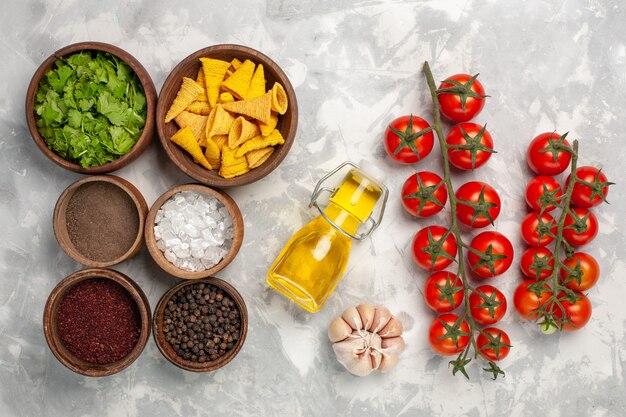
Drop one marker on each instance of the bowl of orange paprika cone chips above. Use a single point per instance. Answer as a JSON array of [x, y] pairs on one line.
[[227, 115]]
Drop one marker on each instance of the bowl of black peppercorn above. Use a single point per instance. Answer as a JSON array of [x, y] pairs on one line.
[[200, 325]]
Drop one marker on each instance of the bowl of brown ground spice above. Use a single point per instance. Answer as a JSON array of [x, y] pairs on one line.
[[99, 220], [97, 321]]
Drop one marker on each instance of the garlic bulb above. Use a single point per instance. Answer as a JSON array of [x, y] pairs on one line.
[[366, 338]]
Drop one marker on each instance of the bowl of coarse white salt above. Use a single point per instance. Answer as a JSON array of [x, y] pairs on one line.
[[193, 231]]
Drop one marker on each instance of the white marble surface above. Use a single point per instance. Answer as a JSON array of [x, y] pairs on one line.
[[355, 66]]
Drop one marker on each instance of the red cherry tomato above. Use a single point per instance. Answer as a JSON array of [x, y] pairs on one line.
[[491, 254], [478, 205], [431, 251], [469, 146], [581, 228], [538, 229], [403, 141], [537, 263], [577, 313], [527, 302], [448, 334], [594, 189], [542, 193], [581, 267], [493, 343], [549, 154], [487, 304], [461, 97], [424, 194], [443, 292]]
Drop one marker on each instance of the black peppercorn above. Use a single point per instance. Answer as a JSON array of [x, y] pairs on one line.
[[201, 323]]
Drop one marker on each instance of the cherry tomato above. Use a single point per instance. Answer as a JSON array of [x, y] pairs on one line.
[[577, 313], [538, 229], [549, 154], [408, 139], [443, 292], [431, 251], [424, 194], [537, 263], [594, 189], [478, 205], [490, 254], [493, 343], [581, 228], [469, 145], [448, 334], [527, 302], [583, 267], [487, 304], [542, 193], [461, 97]]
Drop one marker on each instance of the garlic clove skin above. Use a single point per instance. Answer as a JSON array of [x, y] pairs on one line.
[[339, 330], [366, 311], [353, 354], [376, 357], [382, 315], [392, 329], [352, 317], [393, 345], [388, 362], [361, 366]]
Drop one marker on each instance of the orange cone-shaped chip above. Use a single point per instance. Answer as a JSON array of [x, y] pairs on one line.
[[279, 99], [199, 107], [260, 142], [213, 154], [185, 139], [239, 82], [189, 91], [257, 84], [256, 158], [240, 131], [266, 129], [195, 122], [259, 108], [214, 71], [231, 165], [219, 122]]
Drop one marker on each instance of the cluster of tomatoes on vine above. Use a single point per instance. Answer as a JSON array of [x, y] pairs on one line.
[[468, 146], [553, 288]]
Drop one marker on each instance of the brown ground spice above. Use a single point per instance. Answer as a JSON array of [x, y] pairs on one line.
[[102, 221], [99, 321]]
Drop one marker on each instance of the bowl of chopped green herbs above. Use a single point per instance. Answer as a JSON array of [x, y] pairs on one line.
[[90, 108]]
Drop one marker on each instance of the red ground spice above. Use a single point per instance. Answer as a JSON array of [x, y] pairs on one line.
[[99, 321]]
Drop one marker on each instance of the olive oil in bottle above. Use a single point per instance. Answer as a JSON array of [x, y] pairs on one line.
[[313, 261]]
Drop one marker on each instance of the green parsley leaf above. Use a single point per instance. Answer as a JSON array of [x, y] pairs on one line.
[[91, 108]]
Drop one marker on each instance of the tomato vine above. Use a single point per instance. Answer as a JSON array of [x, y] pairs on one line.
[[495, 344]]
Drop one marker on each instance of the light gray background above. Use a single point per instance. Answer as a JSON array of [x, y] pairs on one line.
[[355, 65]]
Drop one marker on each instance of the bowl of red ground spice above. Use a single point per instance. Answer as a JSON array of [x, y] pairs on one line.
[[200, 325], [99, 220], [97, 321]]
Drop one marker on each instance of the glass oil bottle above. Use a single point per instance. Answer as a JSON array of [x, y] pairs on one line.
[[313, 261]]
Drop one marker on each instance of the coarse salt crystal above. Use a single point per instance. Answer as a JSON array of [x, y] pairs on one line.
[[194, 230]]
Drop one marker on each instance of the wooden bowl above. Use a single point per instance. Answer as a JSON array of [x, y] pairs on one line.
[[60, 220], [168, 351], [151, 99], [159, 257], [188, 67], [54, 341]]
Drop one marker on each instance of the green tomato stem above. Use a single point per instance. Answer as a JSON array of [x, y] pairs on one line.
[[454, 226], [559, 242]]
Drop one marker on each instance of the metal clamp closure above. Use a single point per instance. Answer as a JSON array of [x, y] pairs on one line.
[[319, 189]]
